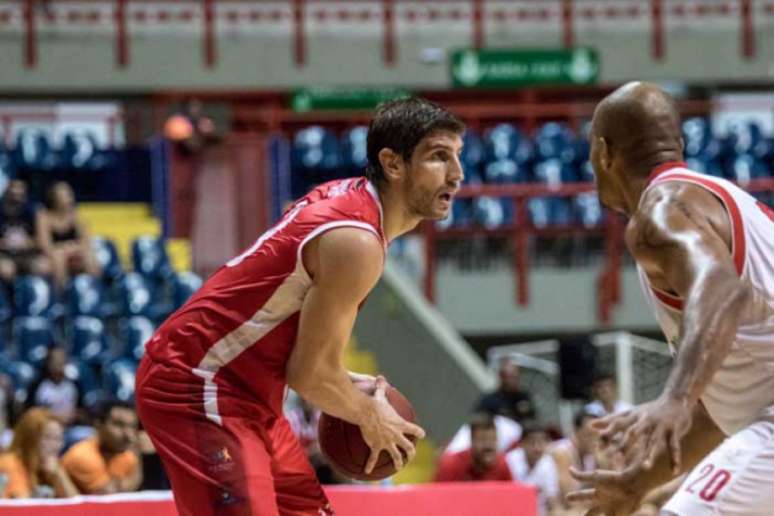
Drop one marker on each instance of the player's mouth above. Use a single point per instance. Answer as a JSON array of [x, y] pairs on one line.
[[447, 197]]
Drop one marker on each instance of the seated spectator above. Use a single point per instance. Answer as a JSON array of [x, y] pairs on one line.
[[508, 435], [109, 461], [53, 390], [509, 399], [578, 451], [19, 253], [605, 392], [531, 465], [62, 237], [31, 467], [481, 461]]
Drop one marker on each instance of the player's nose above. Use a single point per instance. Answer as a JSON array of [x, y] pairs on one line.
[[455, 173]]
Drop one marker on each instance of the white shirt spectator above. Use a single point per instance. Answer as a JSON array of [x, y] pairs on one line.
[[508, 434], [544, 476], [596, 408]]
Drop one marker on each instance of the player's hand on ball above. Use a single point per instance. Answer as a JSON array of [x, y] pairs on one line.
[[652, 426], [386, 430]]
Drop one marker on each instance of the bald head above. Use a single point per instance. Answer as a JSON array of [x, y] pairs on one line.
[[640, 120]]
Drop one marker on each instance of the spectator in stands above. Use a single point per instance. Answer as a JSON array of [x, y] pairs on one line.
[[191, 129], [605, 392], [481, 462], [508, 400], [108, 462], [19, 253], [62, 237], [531, 465], [508, 436], [578, 451], [53, 390], [31, 467]]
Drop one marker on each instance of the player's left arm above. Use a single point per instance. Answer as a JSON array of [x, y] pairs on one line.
[[678, 237]]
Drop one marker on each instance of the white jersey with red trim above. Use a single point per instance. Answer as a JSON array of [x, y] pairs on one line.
[[742, 390], [235, 335]]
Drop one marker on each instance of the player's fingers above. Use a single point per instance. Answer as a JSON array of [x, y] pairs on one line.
[[653, 447], [369, 467], [674, 451], [583, 495], [596, 511], [380, 390], [397, 457], [618, 424], [408, 447], [415, 430], [596, 476]]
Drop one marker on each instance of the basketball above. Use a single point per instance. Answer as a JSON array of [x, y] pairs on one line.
[[343, 445]]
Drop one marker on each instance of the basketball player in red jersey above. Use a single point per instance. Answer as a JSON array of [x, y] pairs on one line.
[[211, 384], [704, 251]]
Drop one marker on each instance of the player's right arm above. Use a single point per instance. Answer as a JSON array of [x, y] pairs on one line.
[[345, 264]]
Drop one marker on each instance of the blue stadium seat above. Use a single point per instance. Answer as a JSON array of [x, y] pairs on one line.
[[746, 167], [315, 158], [107, 257], [33, 150], [118, 379], [77, 151], [505, 171], [21, 373], [134, 295], [32, 337], [33, 297], [588, 210], [84, 296], [504, 141], [472, 157], [554, 172], [491, 212], [83, 374], [134, 333], [354, 150], [183, 287], [696, 135], [88, 341], [149, 258], [705, 166], [6, 309], [555, 141]]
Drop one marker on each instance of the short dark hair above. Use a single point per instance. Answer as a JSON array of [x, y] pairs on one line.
[[530, 427], [101, 411], [581, 418], [602, 377], [400, 125], [481, 421]]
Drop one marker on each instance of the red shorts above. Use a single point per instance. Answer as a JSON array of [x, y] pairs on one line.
[[250, 464]]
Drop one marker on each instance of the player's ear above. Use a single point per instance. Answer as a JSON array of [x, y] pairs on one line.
[[392, 164]]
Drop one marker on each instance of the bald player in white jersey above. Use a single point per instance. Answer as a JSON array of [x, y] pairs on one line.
[[705, 252]]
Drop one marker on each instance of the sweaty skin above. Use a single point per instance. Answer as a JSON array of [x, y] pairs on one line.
[[681, 236]]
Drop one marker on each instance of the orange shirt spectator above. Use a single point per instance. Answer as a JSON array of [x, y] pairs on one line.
[[107, 463], [17, 483], [91, 472]]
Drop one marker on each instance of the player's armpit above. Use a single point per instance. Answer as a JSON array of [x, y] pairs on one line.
[[346, 264]]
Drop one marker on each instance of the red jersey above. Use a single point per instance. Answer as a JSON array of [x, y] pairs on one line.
[[458, 467], [236, 333]]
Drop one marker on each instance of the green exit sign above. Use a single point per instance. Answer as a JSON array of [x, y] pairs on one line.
[[503, 68], [311, 99]]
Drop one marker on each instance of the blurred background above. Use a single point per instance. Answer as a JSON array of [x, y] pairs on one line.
[[144, 143]]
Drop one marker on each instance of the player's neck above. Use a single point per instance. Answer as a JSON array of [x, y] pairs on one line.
[[632, 193], [398, 220]]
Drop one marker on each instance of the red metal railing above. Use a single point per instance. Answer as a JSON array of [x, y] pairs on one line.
[[521, 229], [564, 13]]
